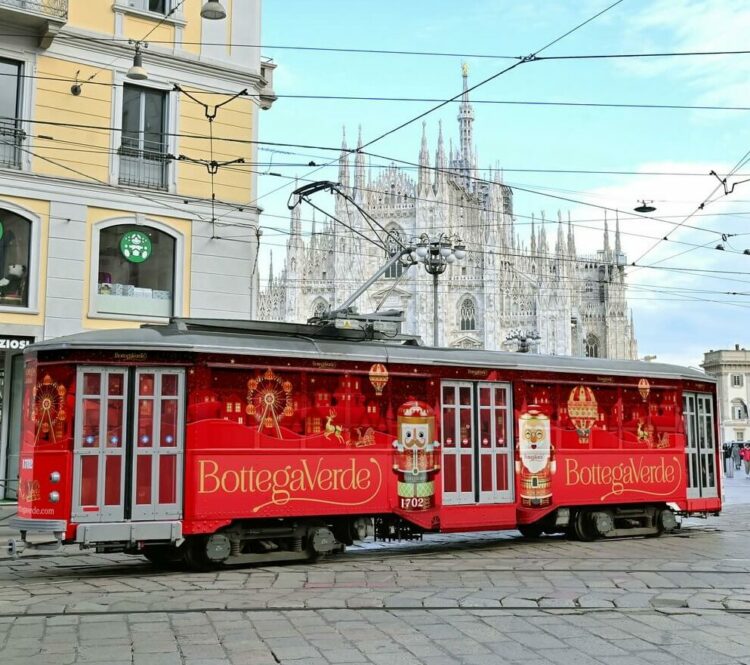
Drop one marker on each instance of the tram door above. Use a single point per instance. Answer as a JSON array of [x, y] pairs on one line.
[[700, 446], [476, 450], [128, 444]]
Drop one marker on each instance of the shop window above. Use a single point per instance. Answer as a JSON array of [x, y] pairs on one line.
[[15, 254], [136, 273], [143, 153]]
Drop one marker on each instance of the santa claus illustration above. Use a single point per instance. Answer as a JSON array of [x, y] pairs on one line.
[[415, 456], [536, 464]]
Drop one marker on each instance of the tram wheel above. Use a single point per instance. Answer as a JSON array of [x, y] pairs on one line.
[[533, 530], [205, 553], [163, 556], [583, 530]]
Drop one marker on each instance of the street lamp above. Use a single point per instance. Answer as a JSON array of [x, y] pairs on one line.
[[524, 340], [436, 255]]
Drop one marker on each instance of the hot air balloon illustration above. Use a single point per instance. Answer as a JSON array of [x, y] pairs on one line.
[[583, 411], [644, 387], [378, 377]]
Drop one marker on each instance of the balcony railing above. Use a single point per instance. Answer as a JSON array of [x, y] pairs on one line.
[[144, 168], [11, 138], [52, 8]]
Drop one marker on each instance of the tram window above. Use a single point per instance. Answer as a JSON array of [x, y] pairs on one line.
[[136, 271], [15, 253]]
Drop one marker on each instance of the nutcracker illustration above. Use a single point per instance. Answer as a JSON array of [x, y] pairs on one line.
[[535, 466], [416, 458]]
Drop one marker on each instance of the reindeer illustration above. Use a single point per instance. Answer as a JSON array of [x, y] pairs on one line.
[[330, 428], [366, 439]]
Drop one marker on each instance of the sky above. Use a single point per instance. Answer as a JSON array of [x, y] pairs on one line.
[[686, 296]]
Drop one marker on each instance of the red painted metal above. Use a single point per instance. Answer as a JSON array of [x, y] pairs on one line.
[[267, 440]]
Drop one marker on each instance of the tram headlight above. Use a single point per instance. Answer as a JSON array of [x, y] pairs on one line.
[[54, 497], [55, 477]]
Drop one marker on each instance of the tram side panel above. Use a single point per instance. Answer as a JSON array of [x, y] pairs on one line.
[[270, 441], [46, 462], [235, 472], [590, 444]]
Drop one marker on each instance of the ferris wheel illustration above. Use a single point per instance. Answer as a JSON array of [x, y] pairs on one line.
[[269, 399], [49, 407]]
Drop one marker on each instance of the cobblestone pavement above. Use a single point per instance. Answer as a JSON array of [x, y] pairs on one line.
[[480, 598]]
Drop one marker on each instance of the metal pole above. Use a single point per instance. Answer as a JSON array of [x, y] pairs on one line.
[[435, 309]]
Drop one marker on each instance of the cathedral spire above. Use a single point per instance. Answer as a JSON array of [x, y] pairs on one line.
[[295, 222], [440, 161], [344, 162], [533, 235], [359, 164], [571, 238], [270, 270], [423, 174], [607, 250], [465, 120], [618, 244], [560, 246], [543, 239]]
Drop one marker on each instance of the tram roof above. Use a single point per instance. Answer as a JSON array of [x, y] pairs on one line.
[[305, 341]]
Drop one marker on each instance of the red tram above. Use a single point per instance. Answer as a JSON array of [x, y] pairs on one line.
[[211, 441]]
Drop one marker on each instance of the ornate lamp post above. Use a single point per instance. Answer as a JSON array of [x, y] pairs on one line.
[[524, 340], [436, 255]]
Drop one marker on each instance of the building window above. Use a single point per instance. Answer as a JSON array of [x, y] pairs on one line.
[[319, 309], [11, 134], [15, 254], [136, 271], [394, 243], [739, 435], [592, 346], [143, 154], [737, 380], [157, 6], [467, 315], [739, 409]]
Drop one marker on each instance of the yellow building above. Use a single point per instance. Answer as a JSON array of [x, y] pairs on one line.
[[127, 194]]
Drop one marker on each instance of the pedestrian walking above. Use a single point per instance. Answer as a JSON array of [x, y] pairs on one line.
[[736, 455], [728, 461], [745, 455]]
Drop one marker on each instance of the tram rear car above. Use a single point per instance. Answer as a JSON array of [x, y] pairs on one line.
[[205, 444]]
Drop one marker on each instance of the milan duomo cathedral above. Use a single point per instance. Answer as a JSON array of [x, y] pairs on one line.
[[502, 294]]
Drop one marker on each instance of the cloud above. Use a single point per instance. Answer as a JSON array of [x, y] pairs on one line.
[[693, 25], [679, 312]]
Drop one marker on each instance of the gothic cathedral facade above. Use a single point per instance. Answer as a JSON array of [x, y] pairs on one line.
[[504, 295]]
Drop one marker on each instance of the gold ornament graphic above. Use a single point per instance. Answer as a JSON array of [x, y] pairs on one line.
[[583, 411], [269, 399], [378, 377], [49, 409], [644, 388]]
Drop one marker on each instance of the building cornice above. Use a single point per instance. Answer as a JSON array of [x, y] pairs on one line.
[[186, 65], [15, 183]]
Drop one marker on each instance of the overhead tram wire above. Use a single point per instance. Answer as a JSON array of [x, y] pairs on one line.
[[375, 98], [525, 59], [397, 52], [521, 61], [741, 162]]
